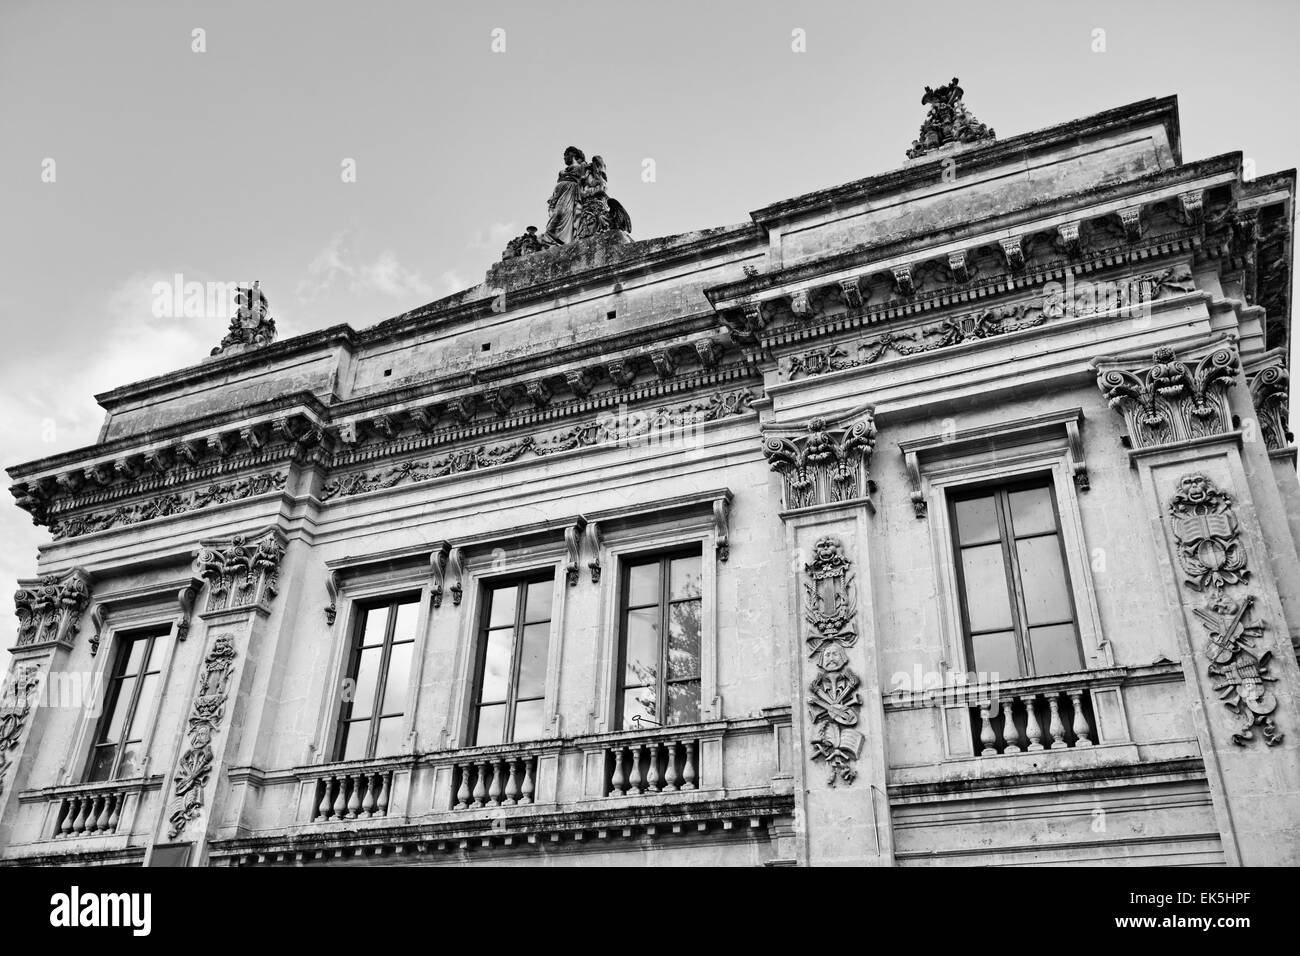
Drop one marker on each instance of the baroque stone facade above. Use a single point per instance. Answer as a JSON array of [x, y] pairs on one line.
[[913, 521]]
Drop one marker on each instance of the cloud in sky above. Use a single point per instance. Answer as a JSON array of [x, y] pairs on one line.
[[339, 265]]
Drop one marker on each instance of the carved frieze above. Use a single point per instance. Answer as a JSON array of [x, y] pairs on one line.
[[241, 573], [206, 713], [823, 463], [172, 503], [1213, 561], [834, 699], [607, 430], [49, 610], [1170, 400]]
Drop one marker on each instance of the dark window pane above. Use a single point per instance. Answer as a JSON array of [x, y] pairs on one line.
[[390, 737], [404, 629], [126, 688], [491, 725], [399, 676], [684, 640], [538, 607], [356, 736], [984, 574], [684, 702], [995, 654], [102, 763], [530, 721], [503, 600], [1043, 579], [496, 665], [977, 520], [638, 701], [642, 660], [375, 623], [684, 578], [363, 693], [132, 760], [643, 584], [144, 708], [135, 658], [532, 660], [1031, 511], [1055, 649]]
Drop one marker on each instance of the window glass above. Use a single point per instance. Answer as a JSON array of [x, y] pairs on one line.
[[988, 601], [131, 704], [660, 640], [371, 723], [514, 647]]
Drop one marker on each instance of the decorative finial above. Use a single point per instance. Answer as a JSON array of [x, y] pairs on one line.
[[947, 122], [251, 324]]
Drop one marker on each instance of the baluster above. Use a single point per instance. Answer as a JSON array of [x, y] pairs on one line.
[[526, 792], [118, 800], [354, 797], [1081, 729], [634, 775], [987, 737], [1009, 732], [80, 826], [325, 808], [512, 783], [340, 798], [382, 803], [688, 771], [1032, 730], [616, 779], [101, 822], [480, 785], [1057, 727], [670, 767], [463, 794], [652, 771], [368, 804], [494, 792], [69, 814]]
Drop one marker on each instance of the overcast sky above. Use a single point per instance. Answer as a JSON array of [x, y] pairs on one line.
[[225, 165]]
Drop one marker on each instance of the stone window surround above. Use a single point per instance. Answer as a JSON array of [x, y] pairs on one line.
[[1047, 456], [124, 612]]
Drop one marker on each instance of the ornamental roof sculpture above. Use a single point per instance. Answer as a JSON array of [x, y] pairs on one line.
[[251, 324], [579, 208], [947, 122]]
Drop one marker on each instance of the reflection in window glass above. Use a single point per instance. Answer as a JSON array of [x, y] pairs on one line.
[[379, 675], [660, 641], [513, 654], [1017, 608], [131, 702]]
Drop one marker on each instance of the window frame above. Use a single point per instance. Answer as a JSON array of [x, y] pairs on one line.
[[1000, 489], [123, 642], [358, 619], [663, 556], [478, 660]]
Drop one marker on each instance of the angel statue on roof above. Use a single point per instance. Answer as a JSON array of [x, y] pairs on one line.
[[580, 208]]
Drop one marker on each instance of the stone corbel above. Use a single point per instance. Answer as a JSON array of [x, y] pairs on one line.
[[455, 574], [219, 445], [1131, 217], [957, 263], [438, 573], [385, 426], [332, 589], [799, 303], [722, 527], [254, 436], [128, 467], [573, 550], [592, 540], [425, 418], [185, 598], [101, 473], [157, 460], [707, 350], [501, 400], [920, 505], [1193, 206], [621, 373], [348, 432], [1078, 465], [579, 382], [851, 289], [665, 364], [1069, 232], [98, 618], [903, 280], [539, 393], [1013, 249], [463, 409], [188, 452]]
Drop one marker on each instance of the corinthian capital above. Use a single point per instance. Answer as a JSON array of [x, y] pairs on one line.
[[824, 461]]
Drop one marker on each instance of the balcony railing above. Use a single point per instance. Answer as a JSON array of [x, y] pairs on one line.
[[495, 781], [96, 810], [656, 765], [353, 795], [1034, 720]]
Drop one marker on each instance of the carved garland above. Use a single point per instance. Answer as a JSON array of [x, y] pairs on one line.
[[834, 700], [195, 767], [1213, 559]]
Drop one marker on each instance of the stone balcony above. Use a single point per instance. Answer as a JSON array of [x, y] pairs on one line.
[[106, 822]]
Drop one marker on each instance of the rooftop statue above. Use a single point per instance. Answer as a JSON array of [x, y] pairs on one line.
[[947, 122], [579, 207], [251, 324]]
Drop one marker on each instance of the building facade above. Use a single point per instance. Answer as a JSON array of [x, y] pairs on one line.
[[949, 516]]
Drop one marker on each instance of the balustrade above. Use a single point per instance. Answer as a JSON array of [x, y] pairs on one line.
[[93, 813], [352, 795], [1034, 720], [494, 781], [657, 765]]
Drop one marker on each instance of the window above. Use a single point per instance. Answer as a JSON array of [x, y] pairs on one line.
[[510, 673], [660, 681], [1017, 607], [130, 704], [379, 670]]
